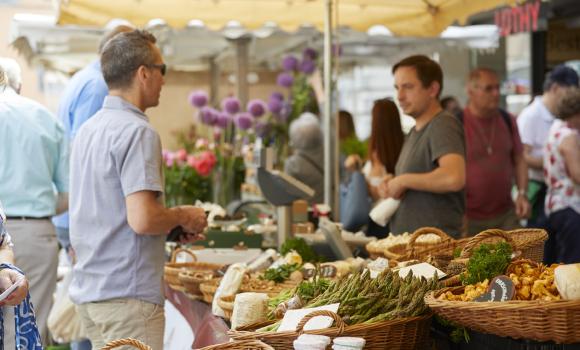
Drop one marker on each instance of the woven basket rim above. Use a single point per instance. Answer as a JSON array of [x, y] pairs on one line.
[[522, 305], [537, 236], [237, 335], [192, 265]]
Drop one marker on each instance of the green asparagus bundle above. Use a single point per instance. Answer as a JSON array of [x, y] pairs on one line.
[[366, 300]]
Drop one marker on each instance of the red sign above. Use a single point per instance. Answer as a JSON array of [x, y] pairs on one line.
[[519, 19]]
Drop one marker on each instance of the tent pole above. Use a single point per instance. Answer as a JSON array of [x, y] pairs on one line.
[[330, 198], [242, 51]]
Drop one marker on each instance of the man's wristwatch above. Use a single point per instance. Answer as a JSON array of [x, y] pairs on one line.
[[523, 192]]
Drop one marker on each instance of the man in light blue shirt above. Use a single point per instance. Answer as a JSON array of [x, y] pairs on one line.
[[82, 98], [118, 224], [33, 187]]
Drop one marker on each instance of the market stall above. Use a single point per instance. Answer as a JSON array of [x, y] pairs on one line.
[[489, 286]]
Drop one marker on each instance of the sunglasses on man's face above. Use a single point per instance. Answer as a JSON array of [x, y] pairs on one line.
[[161, 67]]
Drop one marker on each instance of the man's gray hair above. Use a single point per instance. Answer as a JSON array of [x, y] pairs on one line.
[[305, 132], [124, 54], [112, 33], [12, 72]]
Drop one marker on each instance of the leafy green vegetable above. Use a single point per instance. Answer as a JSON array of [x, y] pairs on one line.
[[281, 273], [309, 290], [486, 262], [301, 247], [457, 333]]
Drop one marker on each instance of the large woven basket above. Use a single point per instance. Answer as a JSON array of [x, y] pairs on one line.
[[557, 321], [172, 269], [126, 341], [402, 334], [240, 345], [530, 242]]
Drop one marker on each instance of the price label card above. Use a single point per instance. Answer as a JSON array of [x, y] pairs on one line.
[[293, 317], [501, 288]]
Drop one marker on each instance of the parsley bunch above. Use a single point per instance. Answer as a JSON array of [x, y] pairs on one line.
[[486, 262]]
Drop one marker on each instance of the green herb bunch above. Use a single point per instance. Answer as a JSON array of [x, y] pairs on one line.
[[300, 246], [486, 262], [281, 273]]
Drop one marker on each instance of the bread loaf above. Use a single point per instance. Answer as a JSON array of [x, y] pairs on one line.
[[567, 278]]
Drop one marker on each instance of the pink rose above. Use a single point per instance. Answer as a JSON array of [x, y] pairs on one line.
[[209, 157], [181, 155], [192, 161], [203, 168]]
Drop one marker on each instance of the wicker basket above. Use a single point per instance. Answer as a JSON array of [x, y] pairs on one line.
[[403, 334], [411, 249], [126, 341], [191, 279], [272, 291], [208, 289], [226, 303], [240, 345], [172, 269], [557, 321], [530, 242]]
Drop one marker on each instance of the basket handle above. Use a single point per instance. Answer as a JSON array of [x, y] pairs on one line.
[[426, 230], [126, 341], [514, 264], [480, 237], [337, 319], [181, 250]]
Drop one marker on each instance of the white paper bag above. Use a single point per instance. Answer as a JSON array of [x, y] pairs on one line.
[[63, 321], [382, 212]]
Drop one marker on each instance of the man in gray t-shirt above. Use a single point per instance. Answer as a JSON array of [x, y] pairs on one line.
[[118, 224], [430, 172]]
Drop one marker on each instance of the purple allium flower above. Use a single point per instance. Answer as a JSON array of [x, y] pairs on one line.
[[243, 121], [275, 105], [257, 108], [289, 63], [208, 115], [231, 105], [198, 98], [309, 54], [282, 116], [277, 96], [223, 120], [262, 128], [307, 66], [285, 80]]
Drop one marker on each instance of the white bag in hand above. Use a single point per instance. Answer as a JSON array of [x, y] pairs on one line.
[[382, 212], [63, 321]]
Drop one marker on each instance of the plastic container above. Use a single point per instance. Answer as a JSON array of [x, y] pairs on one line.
[[348, 343], [311, 342]]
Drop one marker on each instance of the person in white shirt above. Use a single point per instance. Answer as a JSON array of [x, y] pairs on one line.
[[534, 124]]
